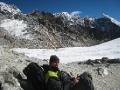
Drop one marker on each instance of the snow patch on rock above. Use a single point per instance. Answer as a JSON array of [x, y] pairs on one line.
[[15, 27], [10, 8]]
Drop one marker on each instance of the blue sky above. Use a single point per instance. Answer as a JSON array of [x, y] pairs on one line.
[[93, 8]]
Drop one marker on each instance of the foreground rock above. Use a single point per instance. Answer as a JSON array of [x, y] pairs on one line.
[[11, 64], [104, 60], [106, 74]]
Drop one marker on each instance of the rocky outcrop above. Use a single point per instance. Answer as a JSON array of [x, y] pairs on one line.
[[103, 60], [11, 68]]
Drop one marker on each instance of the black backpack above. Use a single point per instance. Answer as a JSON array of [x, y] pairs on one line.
[[85, 82], [35, 75]]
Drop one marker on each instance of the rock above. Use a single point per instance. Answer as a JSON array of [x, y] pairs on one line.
[[104, 59], [102, 71], [114, 61], [97, 61], [89, 62]]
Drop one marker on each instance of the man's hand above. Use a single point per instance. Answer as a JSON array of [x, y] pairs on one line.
[[75, 80]]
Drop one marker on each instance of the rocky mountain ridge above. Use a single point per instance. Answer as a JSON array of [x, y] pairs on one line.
[[47, 30]]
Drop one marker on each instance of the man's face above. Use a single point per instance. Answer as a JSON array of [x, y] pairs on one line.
[[54, 64]]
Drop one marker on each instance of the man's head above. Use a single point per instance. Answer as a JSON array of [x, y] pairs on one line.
[[54, 61]]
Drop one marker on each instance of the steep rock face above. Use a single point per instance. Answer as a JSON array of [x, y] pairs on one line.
[[111, 29], [64, 35], [98, 29], [38, 30]]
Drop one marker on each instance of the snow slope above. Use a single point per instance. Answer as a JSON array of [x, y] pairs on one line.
[[109, 49], [15, 27]]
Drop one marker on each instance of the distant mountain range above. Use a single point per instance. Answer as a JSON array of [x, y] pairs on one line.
[[40, 29]]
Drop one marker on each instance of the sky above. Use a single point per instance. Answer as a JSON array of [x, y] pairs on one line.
[[72, 54], [93, 8]]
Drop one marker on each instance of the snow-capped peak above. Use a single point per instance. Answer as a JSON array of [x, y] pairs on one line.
[[73, 17], [112, 19], [91, 19], [75, 13], [9, 8], [68, 15], [65, 15]]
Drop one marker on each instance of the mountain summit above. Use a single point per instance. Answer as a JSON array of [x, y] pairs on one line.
[[112, 19], [6, 8]]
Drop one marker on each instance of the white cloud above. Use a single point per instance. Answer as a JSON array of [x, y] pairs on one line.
[[76, 13], [112, 19]]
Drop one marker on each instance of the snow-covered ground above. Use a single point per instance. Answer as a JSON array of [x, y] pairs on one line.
[[15, 27], [109, 49]]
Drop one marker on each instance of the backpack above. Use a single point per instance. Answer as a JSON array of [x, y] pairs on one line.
[[85, 82], [35, 75]]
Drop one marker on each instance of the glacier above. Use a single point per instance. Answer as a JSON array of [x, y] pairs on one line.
[[110, 49]]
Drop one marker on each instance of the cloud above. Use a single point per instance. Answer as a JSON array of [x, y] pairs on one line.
[[76, 13]]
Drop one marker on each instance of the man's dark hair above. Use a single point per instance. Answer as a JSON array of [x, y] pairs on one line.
[[53, 58]]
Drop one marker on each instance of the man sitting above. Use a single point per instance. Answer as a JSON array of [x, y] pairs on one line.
[[56, 79], [49, 77]]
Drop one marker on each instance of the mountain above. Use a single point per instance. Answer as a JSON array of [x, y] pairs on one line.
[[69, 18], [112, 19], [46, 30], [102, 28], [109, 26]]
